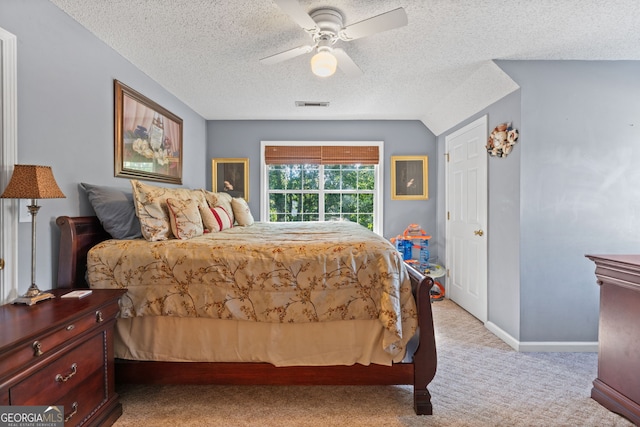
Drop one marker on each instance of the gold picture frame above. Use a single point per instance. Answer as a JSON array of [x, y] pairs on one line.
[[230, 176], [148, 138], [409, 177]]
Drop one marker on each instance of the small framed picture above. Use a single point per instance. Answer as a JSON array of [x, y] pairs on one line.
[[148, 138], [409, 177], [231, 176]]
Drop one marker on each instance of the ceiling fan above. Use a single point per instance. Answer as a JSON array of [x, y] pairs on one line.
[[325, 26]]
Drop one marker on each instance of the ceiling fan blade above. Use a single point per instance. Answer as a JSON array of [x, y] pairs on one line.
[[287, 54], [346, 64], [298, 14], [386, 21]]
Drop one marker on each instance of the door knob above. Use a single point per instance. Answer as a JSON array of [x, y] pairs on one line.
[[478, 232]]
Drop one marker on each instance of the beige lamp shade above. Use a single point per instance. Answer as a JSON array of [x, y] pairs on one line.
[[32, 182]]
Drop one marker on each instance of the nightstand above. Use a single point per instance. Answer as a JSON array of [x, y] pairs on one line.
[[60, 352]]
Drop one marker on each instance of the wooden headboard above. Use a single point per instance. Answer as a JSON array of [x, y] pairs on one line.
[[77, 235]]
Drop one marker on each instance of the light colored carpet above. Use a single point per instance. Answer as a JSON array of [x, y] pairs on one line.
[[480, 382]]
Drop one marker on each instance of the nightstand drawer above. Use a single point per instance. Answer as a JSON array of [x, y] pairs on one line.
[[60, 377], [72, 365], [42, 346], [81, 402]]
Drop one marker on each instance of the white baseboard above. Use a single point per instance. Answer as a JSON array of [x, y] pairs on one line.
[[542, 346], [513, 343]]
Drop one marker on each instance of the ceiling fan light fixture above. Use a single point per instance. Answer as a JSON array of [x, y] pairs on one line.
[[323, 64]]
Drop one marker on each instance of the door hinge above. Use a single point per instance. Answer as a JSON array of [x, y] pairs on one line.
[[447, 156], [448, 273], [448, 215]]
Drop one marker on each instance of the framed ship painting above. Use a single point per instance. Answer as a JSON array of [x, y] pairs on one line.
[[148, 138]]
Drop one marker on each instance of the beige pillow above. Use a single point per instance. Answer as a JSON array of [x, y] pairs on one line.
[[152, 210], [220, 199], [241, 211], [215, 219], [185, 218]]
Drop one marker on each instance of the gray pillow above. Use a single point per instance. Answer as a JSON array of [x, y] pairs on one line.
[[115, 210]]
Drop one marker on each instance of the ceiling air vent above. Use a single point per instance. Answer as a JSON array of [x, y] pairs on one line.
[[312, 103]]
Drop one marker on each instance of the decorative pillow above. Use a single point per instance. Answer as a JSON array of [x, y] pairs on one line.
[[115, 210], [220, 199], [185, 218], [241, 211], [215, 219], [152, 210]]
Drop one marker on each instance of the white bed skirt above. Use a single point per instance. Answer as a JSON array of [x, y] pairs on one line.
[[180, 339]]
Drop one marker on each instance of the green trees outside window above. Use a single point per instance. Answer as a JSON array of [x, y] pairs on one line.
[[310, 192]]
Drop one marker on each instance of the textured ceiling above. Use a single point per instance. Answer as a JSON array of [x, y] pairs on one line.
[[437, 69]]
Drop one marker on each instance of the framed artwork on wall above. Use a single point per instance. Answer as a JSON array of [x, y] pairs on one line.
[[231, 176], [148, 138], [409, 177]]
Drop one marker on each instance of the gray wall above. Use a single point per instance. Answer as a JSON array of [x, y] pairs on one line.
[[504, 216], [242, 139], [65, 118], [579, 187], [569, 188]]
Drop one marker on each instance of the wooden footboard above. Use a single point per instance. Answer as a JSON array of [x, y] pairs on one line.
[[425, 360], [79, 234]]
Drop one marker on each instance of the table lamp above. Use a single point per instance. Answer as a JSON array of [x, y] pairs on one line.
[[32, 182]]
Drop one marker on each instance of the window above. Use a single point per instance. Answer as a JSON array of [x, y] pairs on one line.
[[321, 181]]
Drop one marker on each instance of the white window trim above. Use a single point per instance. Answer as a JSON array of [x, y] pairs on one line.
[[379, 175]]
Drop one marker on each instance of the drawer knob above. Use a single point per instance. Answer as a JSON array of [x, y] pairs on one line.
[[99, 317], [64, 379], [74, 406], [71, 327], [37, 349]]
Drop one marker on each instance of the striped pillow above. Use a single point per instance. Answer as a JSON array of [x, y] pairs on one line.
[[215, 219], [219, 199]]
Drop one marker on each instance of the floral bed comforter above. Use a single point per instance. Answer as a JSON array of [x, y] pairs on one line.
[[267, 272]]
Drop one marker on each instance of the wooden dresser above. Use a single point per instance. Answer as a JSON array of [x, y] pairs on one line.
[[60, 352], [617, 386]]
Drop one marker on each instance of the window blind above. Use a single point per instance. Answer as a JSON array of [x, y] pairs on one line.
[[325, 155]]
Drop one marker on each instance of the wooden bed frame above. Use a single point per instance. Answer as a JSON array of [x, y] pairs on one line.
[[79, 234]]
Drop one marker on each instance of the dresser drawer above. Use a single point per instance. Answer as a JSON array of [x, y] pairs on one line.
[[42, 346], [62, 376], [81, 402], [72, 364]]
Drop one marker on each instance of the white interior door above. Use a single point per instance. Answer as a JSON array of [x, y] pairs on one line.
[[466, 226], [8, 157]]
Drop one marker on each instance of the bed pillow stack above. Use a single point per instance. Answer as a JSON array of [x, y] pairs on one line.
[[160, 213], [154, 214]]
